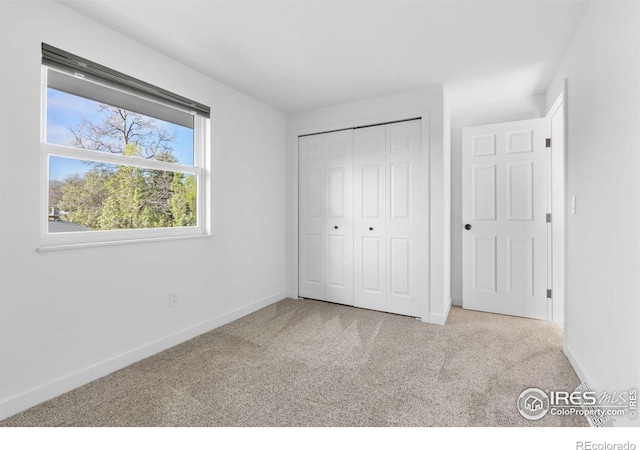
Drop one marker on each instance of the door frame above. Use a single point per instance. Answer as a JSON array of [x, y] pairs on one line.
[[558, 177], [557, 206], [424, 116]]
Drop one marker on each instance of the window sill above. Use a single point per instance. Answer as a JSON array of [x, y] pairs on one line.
[[70, 246]]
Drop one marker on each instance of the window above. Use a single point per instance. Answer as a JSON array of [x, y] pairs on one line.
[[121, 160]]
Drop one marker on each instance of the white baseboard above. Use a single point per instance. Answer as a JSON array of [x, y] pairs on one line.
[[26, 400], [582, 375], [440, 319], [575, 364], [455, 301]]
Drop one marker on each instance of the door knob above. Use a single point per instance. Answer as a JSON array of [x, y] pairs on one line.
[[370, 228], [467, 226], [335, 226]]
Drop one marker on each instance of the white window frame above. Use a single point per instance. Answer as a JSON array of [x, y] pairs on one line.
[[78, 239]]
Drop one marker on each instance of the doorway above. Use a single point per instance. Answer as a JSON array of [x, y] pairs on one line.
[[513, 216]]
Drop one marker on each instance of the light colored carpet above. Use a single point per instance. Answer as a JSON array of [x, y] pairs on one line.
[[310, 363]]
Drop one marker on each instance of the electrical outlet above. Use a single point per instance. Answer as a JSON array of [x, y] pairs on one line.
[[173, 300]]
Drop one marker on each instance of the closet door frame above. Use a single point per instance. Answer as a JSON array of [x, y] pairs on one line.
[[424, 115]]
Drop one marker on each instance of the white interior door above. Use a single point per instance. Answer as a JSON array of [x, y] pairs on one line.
[[390, 219], [325, 238], [504, 212]]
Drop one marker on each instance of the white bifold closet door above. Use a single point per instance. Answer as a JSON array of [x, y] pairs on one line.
[[363, 218], [326, 217], [390, 218]]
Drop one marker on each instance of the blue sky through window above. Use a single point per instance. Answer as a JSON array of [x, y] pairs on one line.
[[65, 111]]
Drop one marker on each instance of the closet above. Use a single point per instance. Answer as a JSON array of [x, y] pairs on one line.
[[363, 217]]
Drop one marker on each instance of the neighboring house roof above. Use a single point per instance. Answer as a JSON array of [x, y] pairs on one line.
[[62, 226]]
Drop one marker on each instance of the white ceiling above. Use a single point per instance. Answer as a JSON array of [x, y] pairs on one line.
[[302, 55]]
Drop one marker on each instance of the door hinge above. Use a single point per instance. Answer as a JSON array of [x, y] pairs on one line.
[[548, 217], [549, 293], [547, 143]]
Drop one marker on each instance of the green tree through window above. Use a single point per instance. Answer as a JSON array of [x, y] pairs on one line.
[[113, 196]]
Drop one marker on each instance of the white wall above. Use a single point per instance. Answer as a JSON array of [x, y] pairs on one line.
[[602, 313], [67, 317], [378, 110], [469, 116]]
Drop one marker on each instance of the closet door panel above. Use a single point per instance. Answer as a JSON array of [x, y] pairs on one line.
[[311, 240], [338, 194], [370, 259], [405, 219]]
